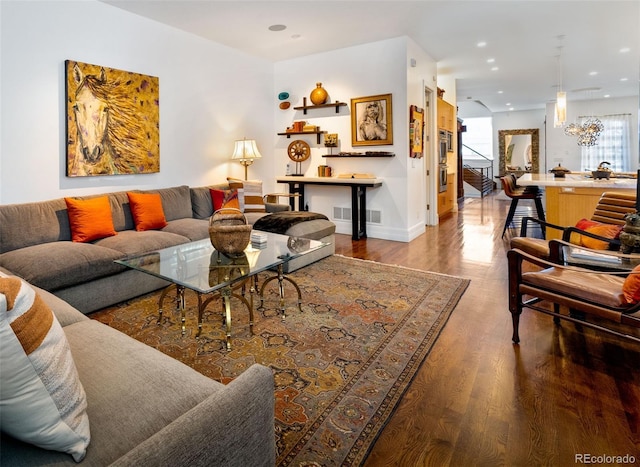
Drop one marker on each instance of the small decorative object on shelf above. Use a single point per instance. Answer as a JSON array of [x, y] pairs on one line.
[[324, 171], [319, 95], [299, 151], [331, 141], [229, 232]]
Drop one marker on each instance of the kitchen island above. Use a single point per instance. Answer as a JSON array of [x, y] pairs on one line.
[[574, 196]]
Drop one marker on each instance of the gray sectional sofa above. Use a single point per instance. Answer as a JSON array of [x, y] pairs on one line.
[[35, 244], [147, 409]]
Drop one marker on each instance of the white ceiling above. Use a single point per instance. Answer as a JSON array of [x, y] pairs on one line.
[[523, 37]]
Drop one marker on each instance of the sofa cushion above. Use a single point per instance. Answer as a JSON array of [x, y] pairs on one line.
[[131, 242], [33, 223], [148, 382], [41, 398], [57, 265], [631, 286], [147, 211], [90, 219], [193, 229], [315, 229], [176, 201], [201, 201]]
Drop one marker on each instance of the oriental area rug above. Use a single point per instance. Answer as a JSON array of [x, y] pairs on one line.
[[340, 366]]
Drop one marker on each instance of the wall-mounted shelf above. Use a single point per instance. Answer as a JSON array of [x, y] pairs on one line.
[[359, 155], [304, 107], [289, 133]]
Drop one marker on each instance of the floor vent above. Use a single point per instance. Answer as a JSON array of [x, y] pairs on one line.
[[372, 216], [342, 213]]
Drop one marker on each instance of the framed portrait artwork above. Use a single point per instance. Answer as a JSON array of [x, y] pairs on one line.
[[112, 121], [371, 121], [416, 132]]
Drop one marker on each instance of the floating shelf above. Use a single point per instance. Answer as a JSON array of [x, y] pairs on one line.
[[304, 107], [289, 133], [359, 155]]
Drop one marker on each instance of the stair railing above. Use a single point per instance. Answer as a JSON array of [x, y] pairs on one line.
[[480, 177]]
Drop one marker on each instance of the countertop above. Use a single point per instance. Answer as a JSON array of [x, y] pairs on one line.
[[575, 180]]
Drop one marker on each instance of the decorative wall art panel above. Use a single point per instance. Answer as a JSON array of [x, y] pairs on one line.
[[416, 132], [113, 121], [371, 121]]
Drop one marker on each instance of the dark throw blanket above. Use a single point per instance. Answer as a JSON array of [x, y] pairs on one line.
[[280, 222]]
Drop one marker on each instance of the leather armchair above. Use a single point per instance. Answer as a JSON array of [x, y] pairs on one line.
[[591, 298]]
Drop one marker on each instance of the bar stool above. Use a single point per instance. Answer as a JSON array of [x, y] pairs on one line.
[[518, 193]]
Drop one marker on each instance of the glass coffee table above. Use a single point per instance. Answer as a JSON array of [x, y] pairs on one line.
[[199, 267]]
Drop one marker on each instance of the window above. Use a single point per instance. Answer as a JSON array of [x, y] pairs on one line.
[[613, 144]]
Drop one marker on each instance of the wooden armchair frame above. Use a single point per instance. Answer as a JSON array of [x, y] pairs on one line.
[[612, 207], [520, 287]]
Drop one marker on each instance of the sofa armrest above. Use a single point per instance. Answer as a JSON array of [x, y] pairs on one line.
[[275, 207], [234, 426]]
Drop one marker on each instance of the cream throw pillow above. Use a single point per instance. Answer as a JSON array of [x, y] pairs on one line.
[[42, 401]]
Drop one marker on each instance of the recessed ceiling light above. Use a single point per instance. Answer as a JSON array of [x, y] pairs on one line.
[[607, 95], [624, 79], [511, 108], [508, 103], [500, 92], [494, 68], [593, 73], [481, 44], [624, 50], [491, 60], [277, 27]]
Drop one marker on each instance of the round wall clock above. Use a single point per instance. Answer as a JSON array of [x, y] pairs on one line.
[[299, 151]]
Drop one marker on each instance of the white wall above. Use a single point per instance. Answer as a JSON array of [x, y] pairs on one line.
[[351, 73], [210, 95]]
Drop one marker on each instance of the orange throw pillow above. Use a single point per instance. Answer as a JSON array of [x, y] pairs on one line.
[[90, 219], [631, 287], [147, 211], [603, 230]]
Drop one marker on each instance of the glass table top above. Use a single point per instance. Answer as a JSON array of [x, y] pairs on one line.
[[198, 266]]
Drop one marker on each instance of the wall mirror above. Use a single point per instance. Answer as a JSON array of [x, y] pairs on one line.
[[519, 151]]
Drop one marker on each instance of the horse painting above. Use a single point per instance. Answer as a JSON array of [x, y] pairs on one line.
[[112, 121]]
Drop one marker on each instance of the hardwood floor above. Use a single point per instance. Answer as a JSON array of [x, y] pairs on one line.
[[478, 399]]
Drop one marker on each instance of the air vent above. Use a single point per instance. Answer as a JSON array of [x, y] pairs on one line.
[[371, 216]]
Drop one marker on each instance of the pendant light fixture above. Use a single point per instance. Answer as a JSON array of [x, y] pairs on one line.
[[560, 114]]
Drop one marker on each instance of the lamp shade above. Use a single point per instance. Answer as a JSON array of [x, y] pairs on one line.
[[560, 110], [246, 150]]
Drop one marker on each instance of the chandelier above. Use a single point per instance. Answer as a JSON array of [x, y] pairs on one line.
[[587, 132]]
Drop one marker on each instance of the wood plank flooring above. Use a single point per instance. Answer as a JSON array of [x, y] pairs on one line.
[[480, 400]]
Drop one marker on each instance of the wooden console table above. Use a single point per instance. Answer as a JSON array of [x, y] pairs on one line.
[[358, 196]]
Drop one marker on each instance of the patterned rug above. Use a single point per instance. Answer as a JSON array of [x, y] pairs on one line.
[[340, 366]]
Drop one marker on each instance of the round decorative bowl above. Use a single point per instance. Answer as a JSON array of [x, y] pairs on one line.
[[559, 171]]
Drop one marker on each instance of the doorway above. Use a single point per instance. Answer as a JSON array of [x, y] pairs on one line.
[[431, 159]]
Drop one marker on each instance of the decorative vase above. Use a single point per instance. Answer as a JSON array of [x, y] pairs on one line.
[[318, 95]]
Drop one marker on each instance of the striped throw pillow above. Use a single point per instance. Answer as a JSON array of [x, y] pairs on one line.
[[42, 401], [252, 191]]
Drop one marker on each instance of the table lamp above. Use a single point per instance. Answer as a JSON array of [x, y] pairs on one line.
[[245, 152]]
